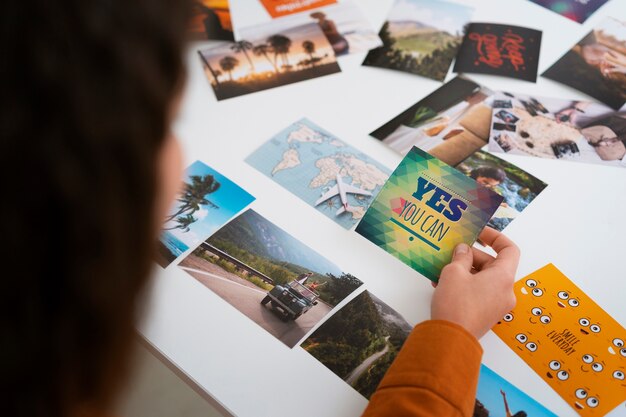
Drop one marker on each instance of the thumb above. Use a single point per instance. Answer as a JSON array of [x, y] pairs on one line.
[[463, 256]]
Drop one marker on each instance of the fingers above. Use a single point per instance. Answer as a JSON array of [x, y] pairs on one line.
[[481, 259], [508, 253], [463, 256]]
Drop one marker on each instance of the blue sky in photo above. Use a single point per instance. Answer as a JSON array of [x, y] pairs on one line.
[[440, 14], [230, 198]]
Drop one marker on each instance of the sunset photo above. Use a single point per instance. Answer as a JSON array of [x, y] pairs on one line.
[[269, 60]]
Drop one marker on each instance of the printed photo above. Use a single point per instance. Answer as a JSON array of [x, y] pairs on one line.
[[211, 20], [421, 37], [576, 10], [552, 128], [451, 123], [509, 51], [277, 59], [207, 201], [425, 210], [343, 24], [269, 276], [597, 64], [359, 342], [497, 397], [278, 8], [574, 345], [518, 187], [335, 178]]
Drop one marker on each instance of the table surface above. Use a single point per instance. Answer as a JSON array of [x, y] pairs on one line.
[[577, 223]]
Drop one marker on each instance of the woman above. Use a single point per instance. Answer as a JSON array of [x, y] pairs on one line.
[[89, 170]]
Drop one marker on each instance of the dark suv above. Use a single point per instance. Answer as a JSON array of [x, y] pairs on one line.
[[292, 299]]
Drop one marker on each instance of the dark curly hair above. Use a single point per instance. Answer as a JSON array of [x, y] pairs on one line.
[[85, 105]]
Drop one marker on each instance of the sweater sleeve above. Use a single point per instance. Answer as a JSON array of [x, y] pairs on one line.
[[434, 374]]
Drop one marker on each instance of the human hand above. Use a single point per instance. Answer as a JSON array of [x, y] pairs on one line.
[[475, 290]]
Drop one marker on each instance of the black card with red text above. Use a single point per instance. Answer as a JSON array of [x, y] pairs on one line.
[[509, 51]]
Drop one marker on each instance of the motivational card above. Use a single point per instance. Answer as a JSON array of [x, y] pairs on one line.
[[277, 8], [574, 345], [510, 51], [424, 210]]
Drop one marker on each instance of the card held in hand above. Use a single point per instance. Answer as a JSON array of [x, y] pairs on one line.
[[424, 210]]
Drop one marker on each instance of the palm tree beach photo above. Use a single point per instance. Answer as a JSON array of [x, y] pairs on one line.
[[207, 201], [273, 60]]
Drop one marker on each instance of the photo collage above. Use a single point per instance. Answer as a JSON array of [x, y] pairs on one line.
[[452, 142]]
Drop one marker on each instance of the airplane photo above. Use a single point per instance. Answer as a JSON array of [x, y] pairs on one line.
[[342, 189]]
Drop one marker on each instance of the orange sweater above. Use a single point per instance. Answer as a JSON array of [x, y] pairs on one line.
[[434, 374]]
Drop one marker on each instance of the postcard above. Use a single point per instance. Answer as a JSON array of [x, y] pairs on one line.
[[210, 20], [497, 397], [552, 128], [421, 37], [597, 64], [359, 342], [207, 201], [451, 123], [424, 210], [568, 340], [280, 58], [277, 8], [576, 10], [509, 51], [269, 276], [343, 24], [326, 173], [516, 186]]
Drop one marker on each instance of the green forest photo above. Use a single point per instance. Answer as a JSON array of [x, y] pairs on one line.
[[421, 37], [359, 342]]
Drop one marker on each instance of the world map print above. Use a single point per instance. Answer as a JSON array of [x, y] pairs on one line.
[[309, 162]]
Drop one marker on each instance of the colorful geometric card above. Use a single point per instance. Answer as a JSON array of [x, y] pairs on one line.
[[564, 336], [424, 210], [576, 10], [509, 51]]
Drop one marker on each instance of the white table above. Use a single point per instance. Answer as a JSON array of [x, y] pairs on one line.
[[577, 223]]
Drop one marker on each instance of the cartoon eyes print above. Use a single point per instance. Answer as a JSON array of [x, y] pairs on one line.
[[618, 342], [531, 283], [587, 358], [522, 338], [508, 317], [581, 393], [595, 328], [564, 295], [555, 366], [538, 312], [618, 375]]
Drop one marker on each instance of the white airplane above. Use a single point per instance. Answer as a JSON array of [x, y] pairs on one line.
[[342, 189]]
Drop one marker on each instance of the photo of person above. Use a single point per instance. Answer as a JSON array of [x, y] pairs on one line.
[[451, 123], [269, 276], [344, 25], [582, 131], [497, 397], [518, 187], [211, 20], [597, 64], [421, 37], [207, 201], [271, 59]]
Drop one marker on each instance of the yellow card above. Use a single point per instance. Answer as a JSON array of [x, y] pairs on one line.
[[574, 345]]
